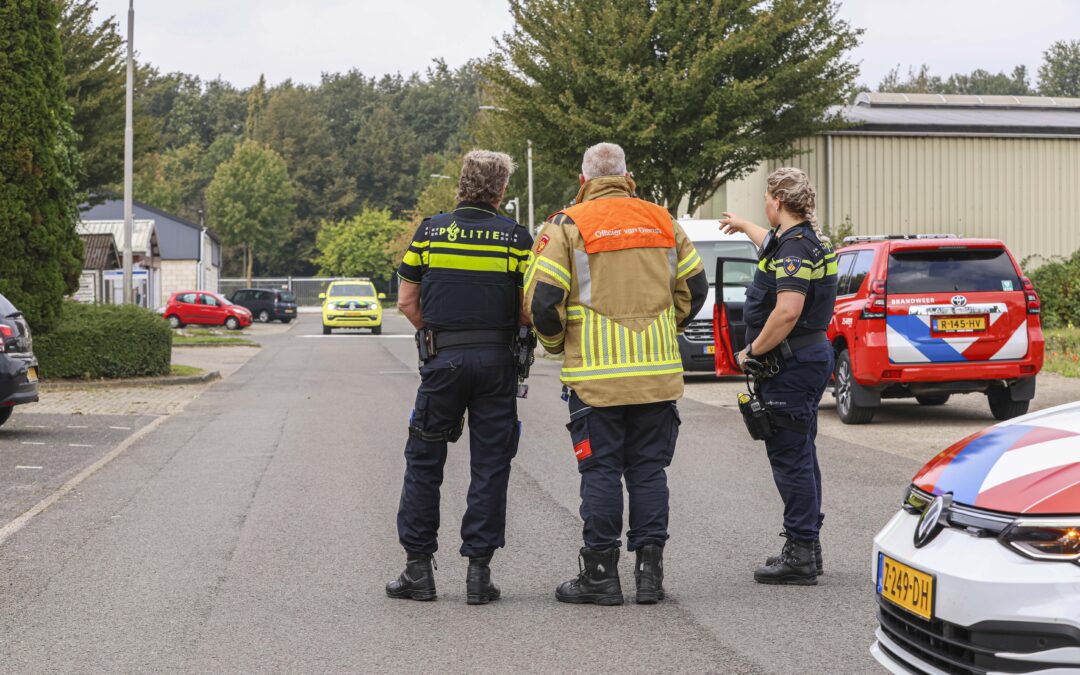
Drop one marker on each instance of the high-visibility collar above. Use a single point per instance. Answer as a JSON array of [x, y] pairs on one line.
[[610, 219]]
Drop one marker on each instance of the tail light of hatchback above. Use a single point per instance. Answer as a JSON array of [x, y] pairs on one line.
[[875, 303], [5, 333], [1034, 305]]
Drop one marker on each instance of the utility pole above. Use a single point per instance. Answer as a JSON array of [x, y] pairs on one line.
[[532, 230], [129, 151]]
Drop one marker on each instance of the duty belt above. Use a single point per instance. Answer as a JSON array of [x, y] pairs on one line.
[[794, 344], [468, 338]]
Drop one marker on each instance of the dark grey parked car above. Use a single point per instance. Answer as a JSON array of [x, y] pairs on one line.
[[267, 304], [18, 367]]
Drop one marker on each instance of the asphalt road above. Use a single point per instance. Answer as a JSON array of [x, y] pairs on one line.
[[254, 531]]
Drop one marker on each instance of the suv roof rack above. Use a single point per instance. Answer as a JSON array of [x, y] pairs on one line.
[[883, 237]]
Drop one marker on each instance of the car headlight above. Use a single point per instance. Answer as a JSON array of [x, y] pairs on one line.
[[1044, 539], [915, 500], [330, 307]]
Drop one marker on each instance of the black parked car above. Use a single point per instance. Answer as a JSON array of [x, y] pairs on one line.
[[18, 367], [267, 304]]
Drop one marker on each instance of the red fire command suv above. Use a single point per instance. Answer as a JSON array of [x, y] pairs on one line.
[[928, 316]]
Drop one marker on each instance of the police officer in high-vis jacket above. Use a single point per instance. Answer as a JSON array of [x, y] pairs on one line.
[[462, 278], [788, 308], [611, 282]]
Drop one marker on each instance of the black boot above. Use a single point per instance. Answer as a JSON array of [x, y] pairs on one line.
[[649, 574], [417, 582], [818, 561], [795, 566], [478, 587], [598, 581]]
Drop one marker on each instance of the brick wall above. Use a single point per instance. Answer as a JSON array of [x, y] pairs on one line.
[[181, 275]]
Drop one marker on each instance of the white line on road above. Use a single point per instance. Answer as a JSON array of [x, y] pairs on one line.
[[122, 428], [79, 445], [35, 426], [33, 443], [19, 523], [73, 426], [34, 468], [357, 336]]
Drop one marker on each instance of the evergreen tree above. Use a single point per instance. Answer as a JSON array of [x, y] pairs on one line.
[[42, 254]]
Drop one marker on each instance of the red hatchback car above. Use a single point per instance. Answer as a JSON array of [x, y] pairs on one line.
[[928, 316], [203, 307]]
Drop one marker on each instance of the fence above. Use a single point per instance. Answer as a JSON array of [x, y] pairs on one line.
[[306, 289]]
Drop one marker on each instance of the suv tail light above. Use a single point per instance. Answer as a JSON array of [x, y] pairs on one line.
[[1034, 305], [5, 332], [875, 303]]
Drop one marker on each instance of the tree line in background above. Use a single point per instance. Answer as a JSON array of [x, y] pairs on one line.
[[332, 177], [1059, 75]]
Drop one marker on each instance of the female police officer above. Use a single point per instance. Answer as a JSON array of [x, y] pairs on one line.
[[788, 307]]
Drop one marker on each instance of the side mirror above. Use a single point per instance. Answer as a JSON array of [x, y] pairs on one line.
[[322, 296], [382, 296]]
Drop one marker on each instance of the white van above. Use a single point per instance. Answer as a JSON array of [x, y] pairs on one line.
[[696, 343]]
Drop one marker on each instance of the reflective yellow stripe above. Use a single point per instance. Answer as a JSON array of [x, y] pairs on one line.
[[468, 247], [688, 264], [420, 244], [666, 367], [548, 342], [520, 251], [553, 269], [467, 262], [412, 258]]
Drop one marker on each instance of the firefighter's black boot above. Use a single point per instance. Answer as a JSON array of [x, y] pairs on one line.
[[597, 582], [479, 590], [417, 582], [818, 561], [796, 566], [649, 574]]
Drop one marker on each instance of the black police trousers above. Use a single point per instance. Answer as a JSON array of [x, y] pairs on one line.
[[794, 395], [632, 441], [483, 381]]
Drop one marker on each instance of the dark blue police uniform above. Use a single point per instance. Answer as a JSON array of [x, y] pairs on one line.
[[470, 264], [796, 261]]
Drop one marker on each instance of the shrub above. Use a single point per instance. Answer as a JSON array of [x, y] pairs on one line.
[[1058, 284], [96, 341]]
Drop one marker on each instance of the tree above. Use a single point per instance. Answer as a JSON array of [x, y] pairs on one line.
[[697, 94], [39, 165], [364, 245], [385, 160], [1059, 74], [94, 66], [979, 82], [250, 199]]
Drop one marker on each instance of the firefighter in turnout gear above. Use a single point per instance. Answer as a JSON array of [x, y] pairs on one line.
[[788, 308], [611, 282], [461, 287]]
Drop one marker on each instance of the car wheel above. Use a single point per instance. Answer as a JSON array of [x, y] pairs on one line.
[[1002, 407], [326, 330], [175, 322], [940, 399], [232, 323], [845, 396], [376, 330], [264, 316], [5, 414]]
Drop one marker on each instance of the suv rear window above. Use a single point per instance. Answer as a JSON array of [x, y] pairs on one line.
[[6, 308], [286, 297], [952, 271]]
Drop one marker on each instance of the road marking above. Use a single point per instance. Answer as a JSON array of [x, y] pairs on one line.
[[35, 426], [354, 336], [19, 523], [33, 443], [72, 426], [79, 445], [122, 428], [33, 468]]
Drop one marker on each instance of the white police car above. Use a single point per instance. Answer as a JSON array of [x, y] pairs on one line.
[[980, 570]]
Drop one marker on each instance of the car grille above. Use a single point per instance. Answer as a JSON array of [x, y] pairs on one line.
[[967, 651], [699, 331]]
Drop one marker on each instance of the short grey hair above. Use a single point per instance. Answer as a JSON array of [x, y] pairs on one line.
[[484, 176], [603, 159]]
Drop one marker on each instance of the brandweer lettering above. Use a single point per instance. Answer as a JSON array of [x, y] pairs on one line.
[[629, 230]]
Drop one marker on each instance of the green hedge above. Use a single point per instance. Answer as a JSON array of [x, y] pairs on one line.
[[1058, 284], [96, 341]]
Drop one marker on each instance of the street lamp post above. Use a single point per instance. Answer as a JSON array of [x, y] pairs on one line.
[[129, 151], [529, 166]]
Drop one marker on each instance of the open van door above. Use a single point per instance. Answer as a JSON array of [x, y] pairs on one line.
[[733, 277]]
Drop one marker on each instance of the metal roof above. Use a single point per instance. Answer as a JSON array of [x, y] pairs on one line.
[[954, 115], [99, 252], [143, 237], [178, 237]]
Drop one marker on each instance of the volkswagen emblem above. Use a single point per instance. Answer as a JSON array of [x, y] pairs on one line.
[[933, 519], [959, 301]]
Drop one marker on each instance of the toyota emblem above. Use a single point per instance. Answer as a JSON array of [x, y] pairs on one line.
[[959, 301], [933, 519]]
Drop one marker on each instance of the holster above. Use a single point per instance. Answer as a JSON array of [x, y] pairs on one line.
[[757, 417], [425, 345], [524, 351]]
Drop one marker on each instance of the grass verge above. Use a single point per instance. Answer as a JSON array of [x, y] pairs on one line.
[[222, 340], [1062, 351], [185, 371]]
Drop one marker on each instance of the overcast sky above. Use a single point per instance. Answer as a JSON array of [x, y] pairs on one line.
[[300, 39]]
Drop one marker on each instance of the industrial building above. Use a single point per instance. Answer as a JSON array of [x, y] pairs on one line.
[[1004, 167]]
